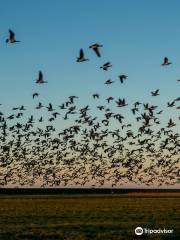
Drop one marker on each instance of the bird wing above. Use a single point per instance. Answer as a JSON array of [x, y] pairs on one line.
[[81, 53], [121, 78], [40, 75], [97, 51], [106, 64], [165, 60], [11, 34]]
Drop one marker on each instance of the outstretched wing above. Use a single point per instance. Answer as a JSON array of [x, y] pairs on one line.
[[165, 60], [81, 53], [121, 78], [107, 64], [11, 34], [40, 75], [96, 49]]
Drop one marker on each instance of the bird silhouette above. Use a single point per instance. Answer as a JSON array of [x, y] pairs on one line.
[[96, 47], [106, 65], [40, 79], [35, 95], [109, 82], [171, 123], [95, 95], [155, 93], [11, 38], [121, 103], [81, 57], [166, 62], [122, 78]]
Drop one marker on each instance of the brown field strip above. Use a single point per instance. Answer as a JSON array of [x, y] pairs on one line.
[[85, 218]]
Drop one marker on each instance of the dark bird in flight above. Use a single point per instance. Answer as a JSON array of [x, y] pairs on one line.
[[109, 82], [50, 108], [71, 98], [81, 57], [171, 104], [41, 119], [121, 103], [105, 66], [134, 110], [159, 112], [95, 95], [96, 47], [109, 99], [155, 93], [171, 123], [39, 105], [35, 95], [137, 104], [11, 38], [166, 62], [40, 79], [15, 108], [177, 99], [22, 108], [122, 78]]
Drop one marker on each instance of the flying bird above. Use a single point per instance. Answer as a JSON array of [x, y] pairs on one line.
[[155, 93], [166, 62], [122, 78], [106, 65], [81, 57], [95, 95], [109, 99], [171, 123], [121, 103], [40, 79], [35, 95], [109, 82], [11, 38], [160, 112], [171, 104], [39, 105], [96, 47], [50, 108]]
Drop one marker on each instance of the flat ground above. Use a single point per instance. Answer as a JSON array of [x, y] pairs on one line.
[[101, 217]]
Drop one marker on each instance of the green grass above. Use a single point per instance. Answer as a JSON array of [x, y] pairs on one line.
[[82, 218]]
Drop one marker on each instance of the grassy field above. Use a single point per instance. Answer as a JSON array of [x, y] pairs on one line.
[[87, 217]]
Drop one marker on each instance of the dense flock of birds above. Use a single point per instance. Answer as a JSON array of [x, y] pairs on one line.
[[91, 151]]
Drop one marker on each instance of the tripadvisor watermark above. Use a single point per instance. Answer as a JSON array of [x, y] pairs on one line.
[[139, 231]]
